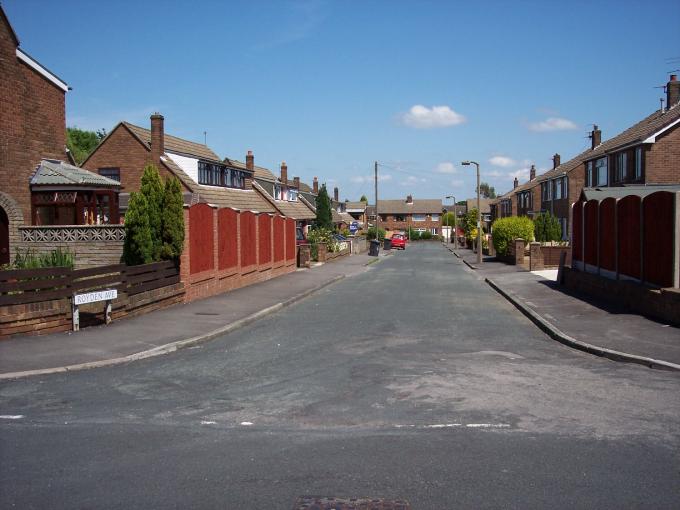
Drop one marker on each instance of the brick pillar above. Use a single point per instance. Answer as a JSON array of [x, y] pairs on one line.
[[322, 252], [519, 252], [185, 258], [304, 255], [536, 262], [492, 249]]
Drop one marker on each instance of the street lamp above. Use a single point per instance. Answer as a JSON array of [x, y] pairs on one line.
[[455, 223], [479, 213]]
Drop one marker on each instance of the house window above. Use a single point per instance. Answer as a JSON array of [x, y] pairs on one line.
[[433, 231], [419, 217], [638, 163], [590, 182], [601, 172], [399, 217], [214, 174], [111, 173], [292, 195], [546, 191], [435, 217], [621, 166], [277, 192]]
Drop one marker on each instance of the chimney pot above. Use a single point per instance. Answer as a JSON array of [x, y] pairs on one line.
[[296, 180], [516, 183], [157, 138], [532, 173], [336, 194], [250, 161], [409, 199], [315, 186], [595, 136], [672, 92]]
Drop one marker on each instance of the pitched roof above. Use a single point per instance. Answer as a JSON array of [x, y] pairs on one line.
[[244, 199], [484, 203], [259, 172], [297, 210], [174, 144], [356, 206], [432, 206], [52, 172]]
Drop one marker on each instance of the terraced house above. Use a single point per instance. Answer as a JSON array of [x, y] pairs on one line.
[[420, 215]]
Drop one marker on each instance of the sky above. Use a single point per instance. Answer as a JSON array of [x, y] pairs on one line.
[[329, 87]]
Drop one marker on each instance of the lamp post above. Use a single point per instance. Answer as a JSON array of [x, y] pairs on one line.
[[479, 213], [455, 223]]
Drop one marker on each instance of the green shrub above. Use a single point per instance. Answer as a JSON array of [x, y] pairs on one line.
[[138, 247], [324, 216], [323, 235], [30, 260], [172, 220], [371, 234], [413, 235], [506, 230], [547, 228], [426, 235], [152, 189]]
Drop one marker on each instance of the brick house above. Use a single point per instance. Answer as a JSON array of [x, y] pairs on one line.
[[357, 210], [420, 215], [204, 176]]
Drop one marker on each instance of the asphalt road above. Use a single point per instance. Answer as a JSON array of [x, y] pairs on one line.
[[414, 380]]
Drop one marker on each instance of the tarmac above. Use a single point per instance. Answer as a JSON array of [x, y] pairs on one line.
[[172, 328], [578, 320]]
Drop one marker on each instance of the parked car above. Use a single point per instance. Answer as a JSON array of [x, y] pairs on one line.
[[399, 241]]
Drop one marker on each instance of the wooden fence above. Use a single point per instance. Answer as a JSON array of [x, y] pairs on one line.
[[21, 286]]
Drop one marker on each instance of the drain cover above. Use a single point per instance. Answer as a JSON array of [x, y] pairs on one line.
[[323, 503]]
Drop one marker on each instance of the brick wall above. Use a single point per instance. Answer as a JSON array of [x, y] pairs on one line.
[[390, 223], [32, 122], [662, 159], [229, 269], [121, 149]]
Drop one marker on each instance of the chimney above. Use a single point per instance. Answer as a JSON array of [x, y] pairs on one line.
[[250, 161], [556, 161], [315, 186], [532, 173], [595, 136], [296, 180], [284, 173], [336, 194], [157, 138], [409, 199], [672, 91], [515, 184]]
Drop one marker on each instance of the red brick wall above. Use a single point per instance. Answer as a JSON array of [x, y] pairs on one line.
[[121, 149], [662, 159], [32, 122], [234, 248], [390, 223]]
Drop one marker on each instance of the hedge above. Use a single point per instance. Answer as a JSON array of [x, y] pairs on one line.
[[506, 230]]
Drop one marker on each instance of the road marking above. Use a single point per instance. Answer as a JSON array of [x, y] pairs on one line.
[[11, 416], [246, 423], [442, 425], [207, 422], [453, 425], [488, 425]]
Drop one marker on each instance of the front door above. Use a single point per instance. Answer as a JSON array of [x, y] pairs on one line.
[[4, 238]]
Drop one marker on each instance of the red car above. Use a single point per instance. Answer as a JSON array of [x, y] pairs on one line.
[[399, 241]]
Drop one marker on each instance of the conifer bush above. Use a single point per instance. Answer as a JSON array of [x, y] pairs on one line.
[[547, 228], [138, 247], [324, 216], [152, 189], [172, 220]]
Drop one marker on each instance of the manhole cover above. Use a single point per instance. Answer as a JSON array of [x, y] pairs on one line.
[[322, 503]]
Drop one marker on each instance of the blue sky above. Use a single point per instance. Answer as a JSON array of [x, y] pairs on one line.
[[329, 87]]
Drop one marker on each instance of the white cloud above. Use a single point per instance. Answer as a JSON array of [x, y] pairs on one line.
[[493, 173], [412, 180], [457, 183], [422, 117], [522, 174], [445, 167], [365, 179], [552, 124], [502, 161]]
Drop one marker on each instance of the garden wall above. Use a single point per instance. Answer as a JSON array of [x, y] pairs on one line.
[[225, 249]]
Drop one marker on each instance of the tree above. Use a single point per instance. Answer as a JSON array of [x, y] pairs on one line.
[[487, 191], [81, 142], [324, 216], [152, 189], [138, 247], [547, 227], [363, 199], [506, 230], [173, 220], [469, 224]]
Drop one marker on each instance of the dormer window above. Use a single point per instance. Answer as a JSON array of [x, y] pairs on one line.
[[292, 195], [215, 174], [278, 194]]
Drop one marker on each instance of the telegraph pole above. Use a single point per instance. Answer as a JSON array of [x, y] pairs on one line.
[[377, 218]]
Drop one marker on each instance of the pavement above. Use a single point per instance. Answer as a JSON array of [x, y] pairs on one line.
[[172, 328], [578, 320], [413, 381]]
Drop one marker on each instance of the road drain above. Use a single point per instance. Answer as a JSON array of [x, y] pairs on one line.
[[321, 503]]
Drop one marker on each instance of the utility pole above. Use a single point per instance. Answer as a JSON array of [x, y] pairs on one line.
[[377, 218], [479, 213]]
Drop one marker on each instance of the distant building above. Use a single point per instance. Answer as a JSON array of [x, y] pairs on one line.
[[417, 214]]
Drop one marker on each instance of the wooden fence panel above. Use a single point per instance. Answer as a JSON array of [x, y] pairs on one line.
[[659, 241], [590, 231], [265, 238], [607, 235], [227, 229], [628, 233], [201, 238], [248, 239], [279, 236], [290, 239], [577, 231]]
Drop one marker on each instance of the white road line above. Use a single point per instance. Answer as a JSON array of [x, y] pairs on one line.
[[207, 422], [246, 423], [453, 425], [488, 425], [11, 416]]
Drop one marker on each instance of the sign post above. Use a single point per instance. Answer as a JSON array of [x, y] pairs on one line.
[[107, 295]]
